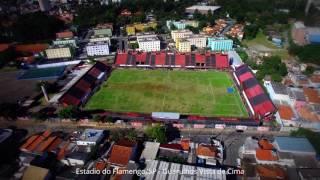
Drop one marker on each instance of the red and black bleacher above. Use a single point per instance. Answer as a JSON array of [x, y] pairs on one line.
[[169, 59], [81, 90], [259, 100]]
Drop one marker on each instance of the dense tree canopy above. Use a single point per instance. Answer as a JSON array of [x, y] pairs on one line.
[[69, 112], [273, 67], [157, 133], [35, 26], [308, 54]]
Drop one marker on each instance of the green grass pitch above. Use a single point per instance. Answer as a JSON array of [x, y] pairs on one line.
[[188, 92]]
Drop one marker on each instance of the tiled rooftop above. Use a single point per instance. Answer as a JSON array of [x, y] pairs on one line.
[[285, 112]]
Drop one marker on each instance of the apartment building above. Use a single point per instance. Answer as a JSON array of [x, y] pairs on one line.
[[131, 29], [100, 38], [98, 49], [183, 45], [182, 24], [176, 34], [148, 42], [220, 44], [198, 41], [102, 31], [58, 52], [65, 41]]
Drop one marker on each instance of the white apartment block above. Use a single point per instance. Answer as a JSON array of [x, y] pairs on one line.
[[65, 41], [149, 44], [197, 40], [176, 34], [100, 38], [58, 52], [97, 49], [183, 45]]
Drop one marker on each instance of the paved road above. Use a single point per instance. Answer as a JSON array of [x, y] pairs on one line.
[[232, 140]]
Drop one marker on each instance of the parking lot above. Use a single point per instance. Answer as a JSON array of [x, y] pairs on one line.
[[13, 90]]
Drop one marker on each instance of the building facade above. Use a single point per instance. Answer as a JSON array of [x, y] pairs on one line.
[[198, 41], [176, 34], [183, 45], [65, 41], [97, 49], [149, 44], [103, 31], [220, 44], [58, 52], [182, 24], [139, 27], [100, 38]]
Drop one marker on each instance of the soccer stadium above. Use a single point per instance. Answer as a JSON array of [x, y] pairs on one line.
[[204, 85]]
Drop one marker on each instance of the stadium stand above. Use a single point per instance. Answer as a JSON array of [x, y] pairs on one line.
[[81, 90], [260, 104], [173, 60]]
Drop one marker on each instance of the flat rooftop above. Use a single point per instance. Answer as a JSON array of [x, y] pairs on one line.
[[43, 73]]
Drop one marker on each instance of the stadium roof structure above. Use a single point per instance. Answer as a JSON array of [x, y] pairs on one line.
[[78, 93], [43, 73], [294, 145], [259, 101], [165, 115], [176, 60]]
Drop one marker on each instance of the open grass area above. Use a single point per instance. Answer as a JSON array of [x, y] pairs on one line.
[[187, 92], [261, 43]]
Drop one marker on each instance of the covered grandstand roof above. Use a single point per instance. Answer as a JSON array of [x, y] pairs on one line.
[[78, 93], [260, 102], [169, 59]]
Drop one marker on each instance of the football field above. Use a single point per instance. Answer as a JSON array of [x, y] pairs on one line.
[[188, 92]]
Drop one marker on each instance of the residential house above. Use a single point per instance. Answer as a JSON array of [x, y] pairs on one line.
[[122, 153]]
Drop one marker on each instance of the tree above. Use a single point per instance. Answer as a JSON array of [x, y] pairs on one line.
[[38, 25], [172, 27], [119, 134], [309, 70], [193, 29], [272, 66], [276, 77], [70, 112], [157, 133], [251, 31], [10, 111]]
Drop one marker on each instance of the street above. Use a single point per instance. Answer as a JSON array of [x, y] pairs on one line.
[[231, 139]]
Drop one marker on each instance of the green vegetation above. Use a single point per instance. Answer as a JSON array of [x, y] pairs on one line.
[[195, 30], [89, 16], [129, 134], [308, 54], [261, 43], [262, 13], [187, 92], [69, 112], [309, 70], [157, 133], [260, 38], [38, 25], [274, 67], [11, 111], [313, 137]]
